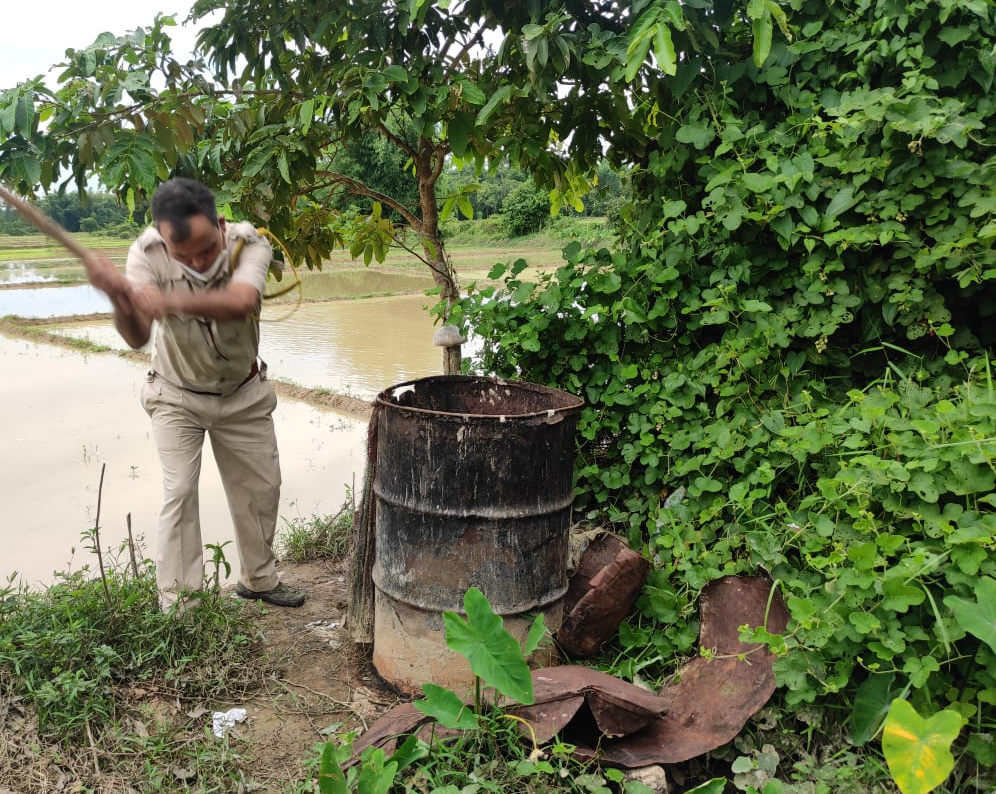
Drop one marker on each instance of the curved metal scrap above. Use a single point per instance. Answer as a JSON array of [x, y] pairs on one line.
[[620, 724], [713, 697]]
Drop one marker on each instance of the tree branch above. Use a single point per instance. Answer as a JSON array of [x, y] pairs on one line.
[[359, 189], [456, 59], [398, 141]]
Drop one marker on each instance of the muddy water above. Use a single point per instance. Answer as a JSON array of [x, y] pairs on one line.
[[71, 415], [354, 347]]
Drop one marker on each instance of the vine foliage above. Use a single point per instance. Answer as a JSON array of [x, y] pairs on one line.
[[787, 359]]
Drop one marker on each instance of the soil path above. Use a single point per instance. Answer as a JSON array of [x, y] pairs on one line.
[[325, 683]]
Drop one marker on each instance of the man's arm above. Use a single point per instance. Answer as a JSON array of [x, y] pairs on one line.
[[232, 302], [132, 310]]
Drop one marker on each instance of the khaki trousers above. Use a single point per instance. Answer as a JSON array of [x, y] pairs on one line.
[[245, 449]]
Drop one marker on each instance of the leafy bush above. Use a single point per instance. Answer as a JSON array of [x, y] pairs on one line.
[[524, 210], [787, 363]]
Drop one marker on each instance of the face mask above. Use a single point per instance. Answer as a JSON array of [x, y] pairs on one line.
[[209, 274]]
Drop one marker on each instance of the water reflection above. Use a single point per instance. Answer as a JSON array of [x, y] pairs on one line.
[[22, 273], [349, 347], [41, 302], [71, 414], [82, 299]]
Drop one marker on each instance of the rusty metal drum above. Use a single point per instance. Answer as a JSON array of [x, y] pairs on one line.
[[473, 488]]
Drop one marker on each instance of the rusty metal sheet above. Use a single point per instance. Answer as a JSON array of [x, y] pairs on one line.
[[620, 724], [615, 707], [602, 591], [713, 698], [396, 722]]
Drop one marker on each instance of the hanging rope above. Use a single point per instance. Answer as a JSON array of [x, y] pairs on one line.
[[277, 273]]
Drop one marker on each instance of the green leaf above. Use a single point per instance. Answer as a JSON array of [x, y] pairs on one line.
[[471, 93], [499, 96], [844, 199], [536, 633], [331, 779], [641, 36], [376, 772], [396, 74], [899, 596], [493, 653], [758, 183], [283, 166], [871, 705], [444, 706], [447, 208], [699, 135], [978, 617], [458, 132], [25, 167], [530, 32], [664, 50], [411, 750], [715, 786], [306, 114], [918, 750], [763, 29], [24, 115]]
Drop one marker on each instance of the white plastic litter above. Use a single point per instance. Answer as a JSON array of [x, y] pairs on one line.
[[221, 721]]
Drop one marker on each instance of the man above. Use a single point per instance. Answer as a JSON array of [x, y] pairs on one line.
[[205, 377]]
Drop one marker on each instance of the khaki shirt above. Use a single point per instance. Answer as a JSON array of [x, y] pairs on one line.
[[191, 352]]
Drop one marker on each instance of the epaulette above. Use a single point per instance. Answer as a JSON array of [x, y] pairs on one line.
[[150, 237]]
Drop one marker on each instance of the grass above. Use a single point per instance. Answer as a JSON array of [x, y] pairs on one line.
[[35, 247], [93, 674], [472, 246], [92, 664], [471, 260], [320, 537]]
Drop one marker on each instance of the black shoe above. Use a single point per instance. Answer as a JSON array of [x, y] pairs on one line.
[[281, 595]]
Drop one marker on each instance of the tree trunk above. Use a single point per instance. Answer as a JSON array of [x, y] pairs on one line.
[[428, 169]]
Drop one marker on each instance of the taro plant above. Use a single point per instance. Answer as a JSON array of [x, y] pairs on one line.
[[484, 748], [918, 750]]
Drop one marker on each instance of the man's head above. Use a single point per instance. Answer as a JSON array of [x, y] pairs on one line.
[[186, 216]]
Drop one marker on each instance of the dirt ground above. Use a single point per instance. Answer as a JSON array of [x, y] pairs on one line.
[[325, 682]]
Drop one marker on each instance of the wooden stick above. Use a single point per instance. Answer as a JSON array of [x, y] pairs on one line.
[[43, 223]]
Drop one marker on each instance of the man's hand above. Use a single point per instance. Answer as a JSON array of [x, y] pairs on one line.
[[103, 274], [133, 310], [153, 303]]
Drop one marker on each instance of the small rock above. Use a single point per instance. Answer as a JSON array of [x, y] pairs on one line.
[[653, 777]]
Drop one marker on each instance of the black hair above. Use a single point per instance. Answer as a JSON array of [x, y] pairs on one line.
[[179, 199]]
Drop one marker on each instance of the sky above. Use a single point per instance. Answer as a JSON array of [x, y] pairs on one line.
[[37, 33]]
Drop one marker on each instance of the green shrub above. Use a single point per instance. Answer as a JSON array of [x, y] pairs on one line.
[[524, 210], [787, 361]]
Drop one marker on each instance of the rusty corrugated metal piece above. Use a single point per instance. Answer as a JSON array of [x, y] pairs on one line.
[[713, 697], [601, 593], [619, 724], [614, 707]]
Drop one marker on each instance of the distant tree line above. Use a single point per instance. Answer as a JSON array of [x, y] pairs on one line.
[[511, 196], [506, 194], [94, 212]]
